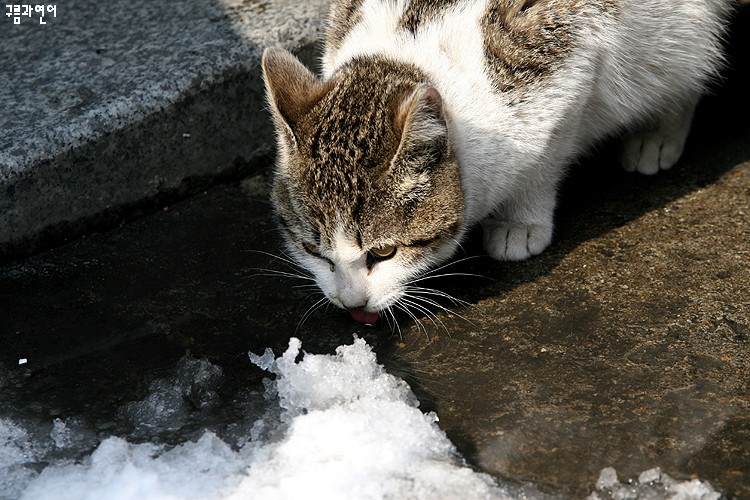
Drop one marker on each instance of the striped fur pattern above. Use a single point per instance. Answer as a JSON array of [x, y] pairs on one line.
[[432, 116]]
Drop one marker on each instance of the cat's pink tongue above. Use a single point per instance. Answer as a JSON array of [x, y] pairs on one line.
[[364, 316]]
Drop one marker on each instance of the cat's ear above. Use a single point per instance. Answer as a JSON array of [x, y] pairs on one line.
[[419, 116], [419, 121], [292, 89]]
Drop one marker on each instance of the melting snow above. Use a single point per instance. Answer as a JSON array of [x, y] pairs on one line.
[[339, 427]]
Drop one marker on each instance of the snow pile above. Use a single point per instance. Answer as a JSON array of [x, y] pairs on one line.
[[118, 470], [333, 427], [346, 430], [651, 484], [354, 431]]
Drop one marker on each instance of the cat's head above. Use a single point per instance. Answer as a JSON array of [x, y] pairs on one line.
[[366, 187]]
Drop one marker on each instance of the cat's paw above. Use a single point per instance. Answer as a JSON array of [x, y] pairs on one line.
[[659, 147], [648, 153], [507, 241]]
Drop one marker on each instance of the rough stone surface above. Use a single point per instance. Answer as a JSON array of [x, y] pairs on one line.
[[111, 103], [626, 344]]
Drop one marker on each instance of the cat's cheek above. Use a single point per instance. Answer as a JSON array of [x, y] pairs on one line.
[[386, 284], [325, 279], [391, 280], [319, 269]]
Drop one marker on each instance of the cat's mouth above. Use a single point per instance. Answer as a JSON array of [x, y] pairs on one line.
[[365, 317]]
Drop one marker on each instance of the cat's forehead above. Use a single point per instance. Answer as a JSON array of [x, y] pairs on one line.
[[352, 126], [344, 147]]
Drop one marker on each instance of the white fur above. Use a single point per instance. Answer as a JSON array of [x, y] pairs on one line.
[[646, 66], [350, 284]]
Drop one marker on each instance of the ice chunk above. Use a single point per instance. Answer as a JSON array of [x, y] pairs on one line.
[[171, 399], [652, 484], [72, 437], [649, 476], [607, 478], [355, 432], [164, 408], [694, 489], [265, 361], [326, 381], [60, 434], [26, 445], [198, 380]]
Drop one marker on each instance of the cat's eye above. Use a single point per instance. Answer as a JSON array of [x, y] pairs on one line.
[[311, 249], [383, 253]]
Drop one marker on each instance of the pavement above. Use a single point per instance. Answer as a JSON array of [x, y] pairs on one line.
[[625, 344]]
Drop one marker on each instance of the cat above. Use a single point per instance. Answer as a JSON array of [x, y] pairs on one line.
[[432, 116]]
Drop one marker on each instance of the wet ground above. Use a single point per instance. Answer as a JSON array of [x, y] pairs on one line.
[[626, 344]]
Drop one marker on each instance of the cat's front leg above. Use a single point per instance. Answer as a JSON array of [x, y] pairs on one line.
[[522, 226], [659, 145]]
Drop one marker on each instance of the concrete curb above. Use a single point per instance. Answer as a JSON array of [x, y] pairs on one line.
[[113, 103]]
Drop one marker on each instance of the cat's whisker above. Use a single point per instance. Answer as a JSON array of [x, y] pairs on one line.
[[286, 259], [311, 294], [422, 294], [439, 293], [271, 230], [439, 306], [461, 247], [434, 303], [317, 305], [384, 313], [306, 285], [395, 322], [419, 308], [276, 272], [451, 263], [290, 259], [445, 275], [406, 309], [434, 319], [393, 326], [310, 288]]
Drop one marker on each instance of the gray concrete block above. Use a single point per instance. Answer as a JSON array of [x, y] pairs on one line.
[[110, 103]]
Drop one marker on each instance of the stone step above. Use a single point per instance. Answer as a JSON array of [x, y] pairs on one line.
[[108, 104]]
